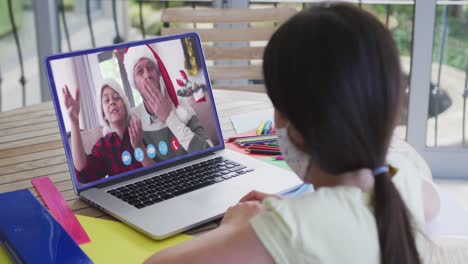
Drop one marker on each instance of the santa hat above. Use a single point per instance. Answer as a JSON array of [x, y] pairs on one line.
[[114, 85], [134, 54]]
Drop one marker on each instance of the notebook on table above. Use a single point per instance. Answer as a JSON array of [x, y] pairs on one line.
[[192, 178], [30, 234]]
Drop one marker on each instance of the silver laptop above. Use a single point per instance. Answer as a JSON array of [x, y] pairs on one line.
[[181, 174]]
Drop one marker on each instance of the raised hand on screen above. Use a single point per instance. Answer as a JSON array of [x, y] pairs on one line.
[[136, 133], [72, 104], [160, 104]]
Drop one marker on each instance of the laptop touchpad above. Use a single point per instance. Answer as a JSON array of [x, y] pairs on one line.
[[224, 195]]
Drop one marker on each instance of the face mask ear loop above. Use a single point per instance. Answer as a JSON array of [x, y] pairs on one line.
[[286, 128]]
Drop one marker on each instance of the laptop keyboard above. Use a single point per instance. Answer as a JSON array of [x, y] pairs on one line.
[[166, 186]]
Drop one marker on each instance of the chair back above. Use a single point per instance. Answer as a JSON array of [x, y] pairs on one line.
[[233, 40]]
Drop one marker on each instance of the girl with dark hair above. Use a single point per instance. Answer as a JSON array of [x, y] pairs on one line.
[[334, 77]]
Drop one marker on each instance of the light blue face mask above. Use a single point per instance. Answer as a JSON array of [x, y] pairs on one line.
[[296, 159]]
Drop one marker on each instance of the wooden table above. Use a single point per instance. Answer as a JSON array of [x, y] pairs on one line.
[[31, 145]]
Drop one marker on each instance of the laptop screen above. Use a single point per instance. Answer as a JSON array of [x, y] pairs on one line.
[[132, 107]]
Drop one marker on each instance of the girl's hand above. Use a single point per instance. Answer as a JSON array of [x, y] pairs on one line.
[[241, 213], [257, 196]]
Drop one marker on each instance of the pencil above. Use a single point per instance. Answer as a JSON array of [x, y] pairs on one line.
[[303, 189], [266, 149], [261, 128], [262, 142], [261, 151], [267, 127], [263, 147], [240, 138], [256, 138]]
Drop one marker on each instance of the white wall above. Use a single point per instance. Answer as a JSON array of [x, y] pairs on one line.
[[63, 72], [171, 53]]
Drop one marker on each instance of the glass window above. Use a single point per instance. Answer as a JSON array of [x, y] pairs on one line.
[[19, 69], [447, 124], [397, 15]]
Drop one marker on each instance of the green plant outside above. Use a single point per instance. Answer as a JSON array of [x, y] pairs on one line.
[[456, 46], [68, 4], [151, 15], [5, 24]]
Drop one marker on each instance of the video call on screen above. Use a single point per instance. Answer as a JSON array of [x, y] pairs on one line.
[[125, 109]]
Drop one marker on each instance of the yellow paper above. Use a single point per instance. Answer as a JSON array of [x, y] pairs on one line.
[[4, 257], [115, 242]]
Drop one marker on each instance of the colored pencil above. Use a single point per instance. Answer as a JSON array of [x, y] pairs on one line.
[[233, 138], [263, 142], [262, 147], [261, 127], [261, 151], [268, 127], [258, 138], [259, 148]]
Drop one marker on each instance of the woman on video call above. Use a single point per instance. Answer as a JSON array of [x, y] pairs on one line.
[[121, 133]]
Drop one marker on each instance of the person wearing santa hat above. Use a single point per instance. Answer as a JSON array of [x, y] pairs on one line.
[[121, 133], [169, 124]]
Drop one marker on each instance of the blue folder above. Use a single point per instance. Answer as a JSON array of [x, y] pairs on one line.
[[30, 234]]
